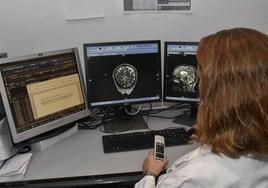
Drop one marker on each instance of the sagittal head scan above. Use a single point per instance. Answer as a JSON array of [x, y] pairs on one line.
[[125, 78], [185, 78]]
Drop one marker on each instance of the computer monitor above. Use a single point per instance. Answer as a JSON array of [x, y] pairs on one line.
[[123, 73], [42, 92], [181, 78]]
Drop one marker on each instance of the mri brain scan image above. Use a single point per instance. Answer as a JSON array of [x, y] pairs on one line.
[[185, 76], [125, 78]]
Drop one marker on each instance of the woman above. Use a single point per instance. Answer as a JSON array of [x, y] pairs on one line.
[[232, 123]]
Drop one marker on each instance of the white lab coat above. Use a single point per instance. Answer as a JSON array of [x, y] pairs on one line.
[[202, 168]]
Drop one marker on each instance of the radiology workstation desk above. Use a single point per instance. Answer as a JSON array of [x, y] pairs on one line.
[[79, 161]]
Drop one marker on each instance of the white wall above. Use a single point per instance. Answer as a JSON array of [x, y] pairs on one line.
[[29, 26]]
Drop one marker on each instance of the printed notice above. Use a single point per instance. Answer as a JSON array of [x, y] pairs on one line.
[[55, 95], [157, 5]]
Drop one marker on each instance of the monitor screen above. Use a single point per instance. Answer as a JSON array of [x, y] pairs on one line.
[[180, 70], [122, 73], [42, 92]]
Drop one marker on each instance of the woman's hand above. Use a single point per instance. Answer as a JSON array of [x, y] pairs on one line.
[[152, 165], [192, 131]]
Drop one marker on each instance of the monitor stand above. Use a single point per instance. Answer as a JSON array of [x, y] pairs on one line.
[[6, 147], [49, 138], [56, 137], [125, 122], [187, 118]]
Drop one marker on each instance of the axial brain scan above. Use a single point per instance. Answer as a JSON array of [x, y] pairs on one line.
[[186, 77], [125, 78]]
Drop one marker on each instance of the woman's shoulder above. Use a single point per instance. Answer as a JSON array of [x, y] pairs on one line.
[[202, 166], [201, 159], [199, 168]]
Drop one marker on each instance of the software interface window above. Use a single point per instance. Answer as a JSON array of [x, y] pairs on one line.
[[119, 73], [54, 95]]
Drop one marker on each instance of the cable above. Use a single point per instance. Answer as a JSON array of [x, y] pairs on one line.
[[147, 115], [25, 149], [92, 121], [179, 106], [101, 116], [134, 113]]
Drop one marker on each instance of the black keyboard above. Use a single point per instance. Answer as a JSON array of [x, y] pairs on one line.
[[144, 140]]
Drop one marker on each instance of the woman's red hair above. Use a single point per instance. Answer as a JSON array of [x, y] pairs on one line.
[[233, 113]]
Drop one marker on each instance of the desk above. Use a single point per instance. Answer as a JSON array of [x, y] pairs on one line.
[[79, 160]]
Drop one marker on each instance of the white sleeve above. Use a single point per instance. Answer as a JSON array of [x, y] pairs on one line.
[[146, 182]]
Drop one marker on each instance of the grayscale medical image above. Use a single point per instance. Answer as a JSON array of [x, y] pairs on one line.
[[125, 78], [185, 76]]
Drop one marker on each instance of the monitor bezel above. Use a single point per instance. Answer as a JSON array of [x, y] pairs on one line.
[[31, 133], [88, 81], [177, 99]]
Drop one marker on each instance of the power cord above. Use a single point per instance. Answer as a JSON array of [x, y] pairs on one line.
[[133, 113]]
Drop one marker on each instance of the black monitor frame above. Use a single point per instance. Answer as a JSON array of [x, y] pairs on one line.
[[123, 101], [191, 98]]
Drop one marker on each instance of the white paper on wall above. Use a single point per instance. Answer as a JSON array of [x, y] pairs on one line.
[[83, 9]]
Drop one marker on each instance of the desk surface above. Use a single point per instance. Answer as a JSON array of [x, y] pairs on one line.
[[82, 154]]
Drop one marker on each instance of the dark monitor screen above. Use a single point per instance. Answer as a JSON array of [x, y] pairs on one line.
[[122, 73], [180, 69], [181, 82], [42, 92]]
